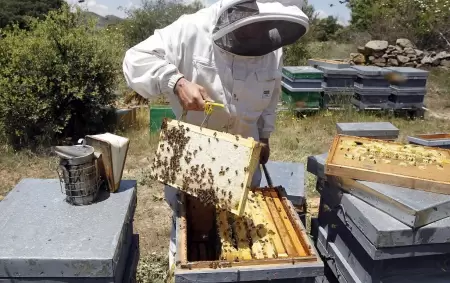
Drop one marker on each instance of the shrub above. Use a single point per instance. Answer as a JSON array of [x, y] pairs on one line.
[[57, 79]]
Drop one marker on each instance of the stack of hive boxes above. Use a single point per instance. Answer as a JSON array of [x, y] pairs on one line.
[[302, 87], [372, 89], [338, 86], [371, 232], [409, 93]]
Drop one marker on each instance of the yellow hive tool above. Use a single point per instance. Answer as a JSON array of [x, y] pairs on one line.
[[209, 107]]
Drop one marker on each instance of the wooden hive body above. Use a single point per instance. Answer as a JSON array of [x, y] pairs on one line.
[[214, 166], [268, 236], [409, 166]]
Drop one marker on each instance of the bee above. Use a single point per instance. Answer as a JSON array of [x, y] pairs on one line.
[[200, 148], [236, 172], [187, 129], [237, 138], [227, 169], [242, 185], [215, 134], [229, 181], [245, 169], [213, 158], [236, 146]]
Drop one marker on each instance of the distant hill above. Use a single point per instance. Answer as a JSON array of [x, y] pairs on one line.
[[106, 20]]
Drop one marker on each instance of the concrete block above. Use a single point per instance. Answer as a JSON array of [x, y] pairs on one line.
[[368, 129], [45, 238]]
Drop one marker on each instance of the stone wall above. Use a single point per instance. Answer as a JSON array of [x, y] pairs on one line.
[[403, 53]]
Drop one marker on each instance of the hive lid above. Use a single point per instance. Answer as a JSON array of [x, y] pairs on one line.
[[409, 72], [335, 71], [367, 129], [302, 72], [370, 71], [45, 237]]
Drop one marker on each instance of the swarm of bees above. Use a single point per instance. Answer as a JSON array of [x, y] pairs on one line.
[[169, 167], [404, 155]]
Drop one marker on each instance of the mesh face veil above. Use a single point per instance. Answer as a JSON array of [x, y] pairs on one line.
[[253, 28]]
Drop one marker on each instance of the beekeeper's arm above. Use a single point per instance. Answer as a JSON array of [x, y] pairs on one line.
[[151, 67], [266, 122]]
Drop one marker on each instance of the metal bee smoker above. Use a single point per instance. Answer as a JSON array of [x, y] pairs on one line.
[[78, 173]]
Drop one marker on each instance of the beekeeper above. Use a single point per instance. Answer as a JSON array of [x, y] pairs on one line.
[[230, 53]]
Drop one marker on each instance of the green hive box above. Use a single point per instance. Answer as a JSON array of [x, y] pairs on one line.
[[302, 72], [157, 115], [299, 100]]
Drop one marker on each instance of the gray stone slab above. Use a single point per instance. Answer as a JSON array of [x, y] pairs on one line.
[[382, 230], [371, 271], [414, 208], [289, 175], [45, 237], [368, 129]]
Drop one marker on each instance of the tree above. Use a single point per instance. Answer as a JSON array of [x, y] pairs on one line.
[[57, 79], [154, 14], [19, 11], [326, 29]]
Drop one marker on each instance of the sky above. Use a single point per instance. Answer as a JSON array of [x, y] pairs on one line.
[[110, 7]]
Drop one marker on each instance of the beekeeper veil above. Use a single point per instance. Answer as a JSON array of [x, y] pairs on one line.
[[256, 28]]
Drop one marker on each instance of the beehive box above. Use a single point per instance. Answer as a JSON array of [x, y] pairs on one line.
[[392, 163], [267, 242], [214, 166]]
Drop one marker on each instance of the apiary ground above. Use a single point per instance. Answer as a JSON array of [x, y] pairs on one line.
[[293, 140]]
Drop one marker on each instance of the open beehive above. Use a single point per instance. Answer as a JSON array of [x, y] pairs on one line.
[[409, 166], [269, 234], [191, 158]]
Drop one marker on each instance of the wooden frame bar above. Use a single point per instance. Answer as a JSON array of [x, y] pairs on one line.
[[191, 159], [408, 166]]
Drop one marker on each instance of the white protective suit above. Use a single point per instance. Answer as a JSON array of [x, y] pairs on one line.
[[233, 50]]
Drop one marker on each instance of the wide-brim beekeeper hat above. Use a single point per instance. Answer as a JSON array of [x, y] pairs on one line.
[[256, 28]]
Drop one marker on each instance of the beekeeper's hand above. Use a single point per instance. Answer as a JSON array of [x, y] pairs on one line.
[[192, 96]]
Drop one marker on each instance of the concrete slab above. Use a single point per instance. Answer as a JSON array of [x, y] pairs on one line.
[[45, 237], [289, 175], [368, 129]]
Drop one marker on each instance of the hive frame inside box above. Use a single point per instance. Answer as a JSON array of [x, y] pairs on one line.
[[209, 149], [410, 176], [254, 269]]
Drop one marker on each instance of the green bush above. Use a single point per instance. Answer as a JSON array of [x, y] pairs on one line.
[[57, 79]]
